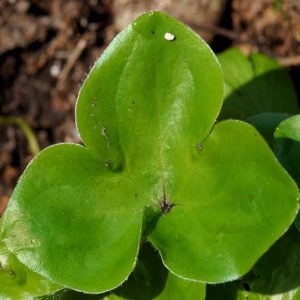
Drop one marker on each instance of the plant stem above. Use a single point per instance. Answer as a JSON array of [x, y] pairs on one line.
[[29, 134]]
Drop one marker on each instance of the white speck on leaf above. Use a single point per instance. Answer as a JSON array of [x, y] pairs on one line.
[[169, 36], [94, 103], [103, 132]]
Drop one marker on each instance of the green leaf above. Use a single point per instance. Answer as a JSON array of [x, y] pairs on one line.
[[254, 85], [287, 149], [275, 277], [151, 280], [177, 288], [153, 166], [266, 123], [148, 278], [18, 282], [147, 93], [234, 195], [68, 208], [287, 146]]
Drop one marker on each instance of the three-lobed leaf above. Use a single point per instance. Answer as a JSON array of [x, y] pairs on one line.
[[145, 114]]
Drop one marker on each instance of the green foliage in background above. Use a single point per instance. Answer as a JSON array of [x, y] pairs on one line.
[[255, 84], [287, 149]]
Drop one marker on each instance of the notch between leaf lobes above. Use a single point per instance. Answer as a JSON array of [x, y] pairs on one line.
[[165, 206]]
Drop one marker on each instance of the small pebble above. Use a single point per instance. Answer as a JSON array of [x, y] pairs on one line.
[[55, 70]]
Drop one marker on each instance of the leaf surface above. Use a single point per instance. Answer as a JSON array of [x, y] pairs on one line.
[[72, 211], [17, 281], [147, 94], [275, 276], [149, 280], [230, 199]]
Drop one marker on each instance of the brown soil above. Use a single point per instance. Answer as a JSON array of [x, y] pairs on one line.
[[270, 26]]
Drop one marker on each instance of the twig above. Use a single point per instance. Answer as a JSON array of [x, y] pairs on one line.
[[29, 134], [216, 30], [289, 61], [229, 34], [75, 54], [232, 35]]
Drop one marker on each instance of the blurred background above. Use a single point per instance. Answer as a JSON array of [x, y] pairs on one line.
[[47, 47]]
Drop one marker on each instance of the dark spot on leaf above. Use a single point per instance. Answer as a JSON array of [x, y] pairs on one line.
[[251, 197], [133, 102], [135, 195], [220, 232], [199, 147], [246, 286], [165, 206], [152, 31]]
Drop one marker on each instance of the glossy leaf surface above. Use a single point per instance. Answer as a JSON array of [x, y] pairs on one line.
[[230, 207], [17, 281], [149, 280], [73, 211], [254, 85], [152, 167], [275, 277], [147, 96]]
